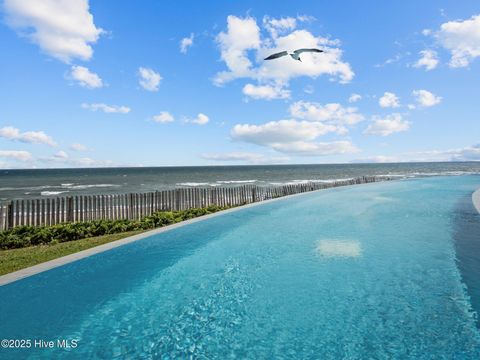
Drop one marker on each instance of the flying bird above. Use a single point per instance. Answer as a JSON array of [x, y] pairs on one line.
[[295, 55]]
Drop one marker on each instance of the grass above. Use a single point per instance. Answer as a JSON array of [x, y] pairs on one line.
[[16, 259]]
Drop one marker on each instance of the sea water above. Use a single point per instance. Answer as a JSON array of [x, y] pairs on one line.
[[34, 183]]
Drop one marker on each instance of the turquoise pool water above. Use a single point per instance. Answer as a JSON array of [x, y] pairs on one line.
[[367, 271]]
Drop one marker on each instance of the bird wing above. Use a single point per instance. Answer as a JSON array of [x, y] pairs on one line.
[[299, 51], [276, 56]]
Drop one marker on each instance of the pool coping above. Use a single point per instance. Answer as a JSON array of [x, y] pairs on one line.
[[51, 264], [476, 199]]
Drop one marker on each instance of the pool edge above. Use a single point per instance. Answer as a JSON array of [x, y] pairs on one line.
[[476, 199], [51, 264]]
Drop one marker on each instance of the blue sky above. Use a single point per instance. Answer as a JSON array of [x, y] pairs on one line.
[[119, 83]]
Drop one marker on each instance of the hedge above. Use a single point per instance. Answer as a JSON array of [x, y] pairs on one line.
[[23, 236]]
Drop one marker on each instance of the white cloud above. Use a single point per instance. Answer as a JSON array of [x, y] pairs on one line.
[[149, 79], [235, 156], [316, 149], [267, 92], [426, 32], [32, 137], [428, 60], [333, 113], [243, 39], [62, 155], [242, 35], [163, 117], [185, 43], [16, 155], [107, 108], [354, 98], [201, 119], [279, 26], [462, 39], [283, 131], [426, 98], [389, 100], [390, 124], [298, 135], [85, 77], [63, 29], [469, 153], [78, 147]]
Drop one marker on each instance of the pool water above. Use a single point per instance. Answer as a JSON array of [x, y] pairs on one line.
[[367, 271]]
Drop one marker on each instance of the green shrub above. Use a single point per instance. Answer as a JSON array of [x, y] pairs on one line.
[[23, 236]]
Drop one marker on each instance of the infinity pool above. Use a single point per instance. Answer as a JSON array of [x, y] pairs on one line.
[[368, 271]]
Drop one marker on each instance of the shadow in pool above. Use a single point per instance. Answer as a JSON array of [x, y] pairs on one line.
[[53, 300], [467, 243]]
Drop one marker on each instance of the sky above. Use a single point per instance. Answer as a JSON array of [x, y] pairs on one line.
[[154, 83]]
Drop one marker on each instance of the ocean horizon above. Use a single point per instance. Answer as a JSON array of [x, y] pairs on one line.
[[34, 183]]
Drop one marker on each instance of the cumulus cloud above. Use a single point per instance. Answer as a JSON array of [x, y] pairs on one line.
[[63, 29], [149, 79], [428, 60], [78, 147], [389, 100], [283, 131], [243, 49], [292, 137], [298, 135], [462, 39], [85, 77], [267, 92], [333, 113], [185, 43], [201, 119], [16, 155], [163, 117], [107, 108], [279, 26], [304, 148], [32, 137], [386, 126], [241, 36], [354, 98], [426, 98]]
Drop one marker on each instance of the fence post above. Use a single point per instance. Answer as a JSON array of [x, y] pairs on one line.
[[9, 222], [254, 193], [69, 209]]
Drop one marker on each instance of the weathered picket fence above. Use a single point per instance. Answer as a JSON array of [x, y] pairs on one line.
[[51, 211]]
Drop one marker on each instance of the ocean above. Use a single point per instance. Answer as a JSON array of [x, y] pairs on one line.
[[34, 183]]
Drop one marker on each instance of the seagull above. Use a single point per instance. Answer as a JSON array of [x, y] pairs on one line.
[[295, 55]]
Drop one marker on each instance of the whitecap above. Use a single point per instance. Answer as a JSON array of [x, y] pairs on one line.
[[52, 193]]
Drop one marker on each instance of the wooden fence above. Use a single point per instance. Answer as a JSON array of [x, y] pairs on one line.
[[51, 211]]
